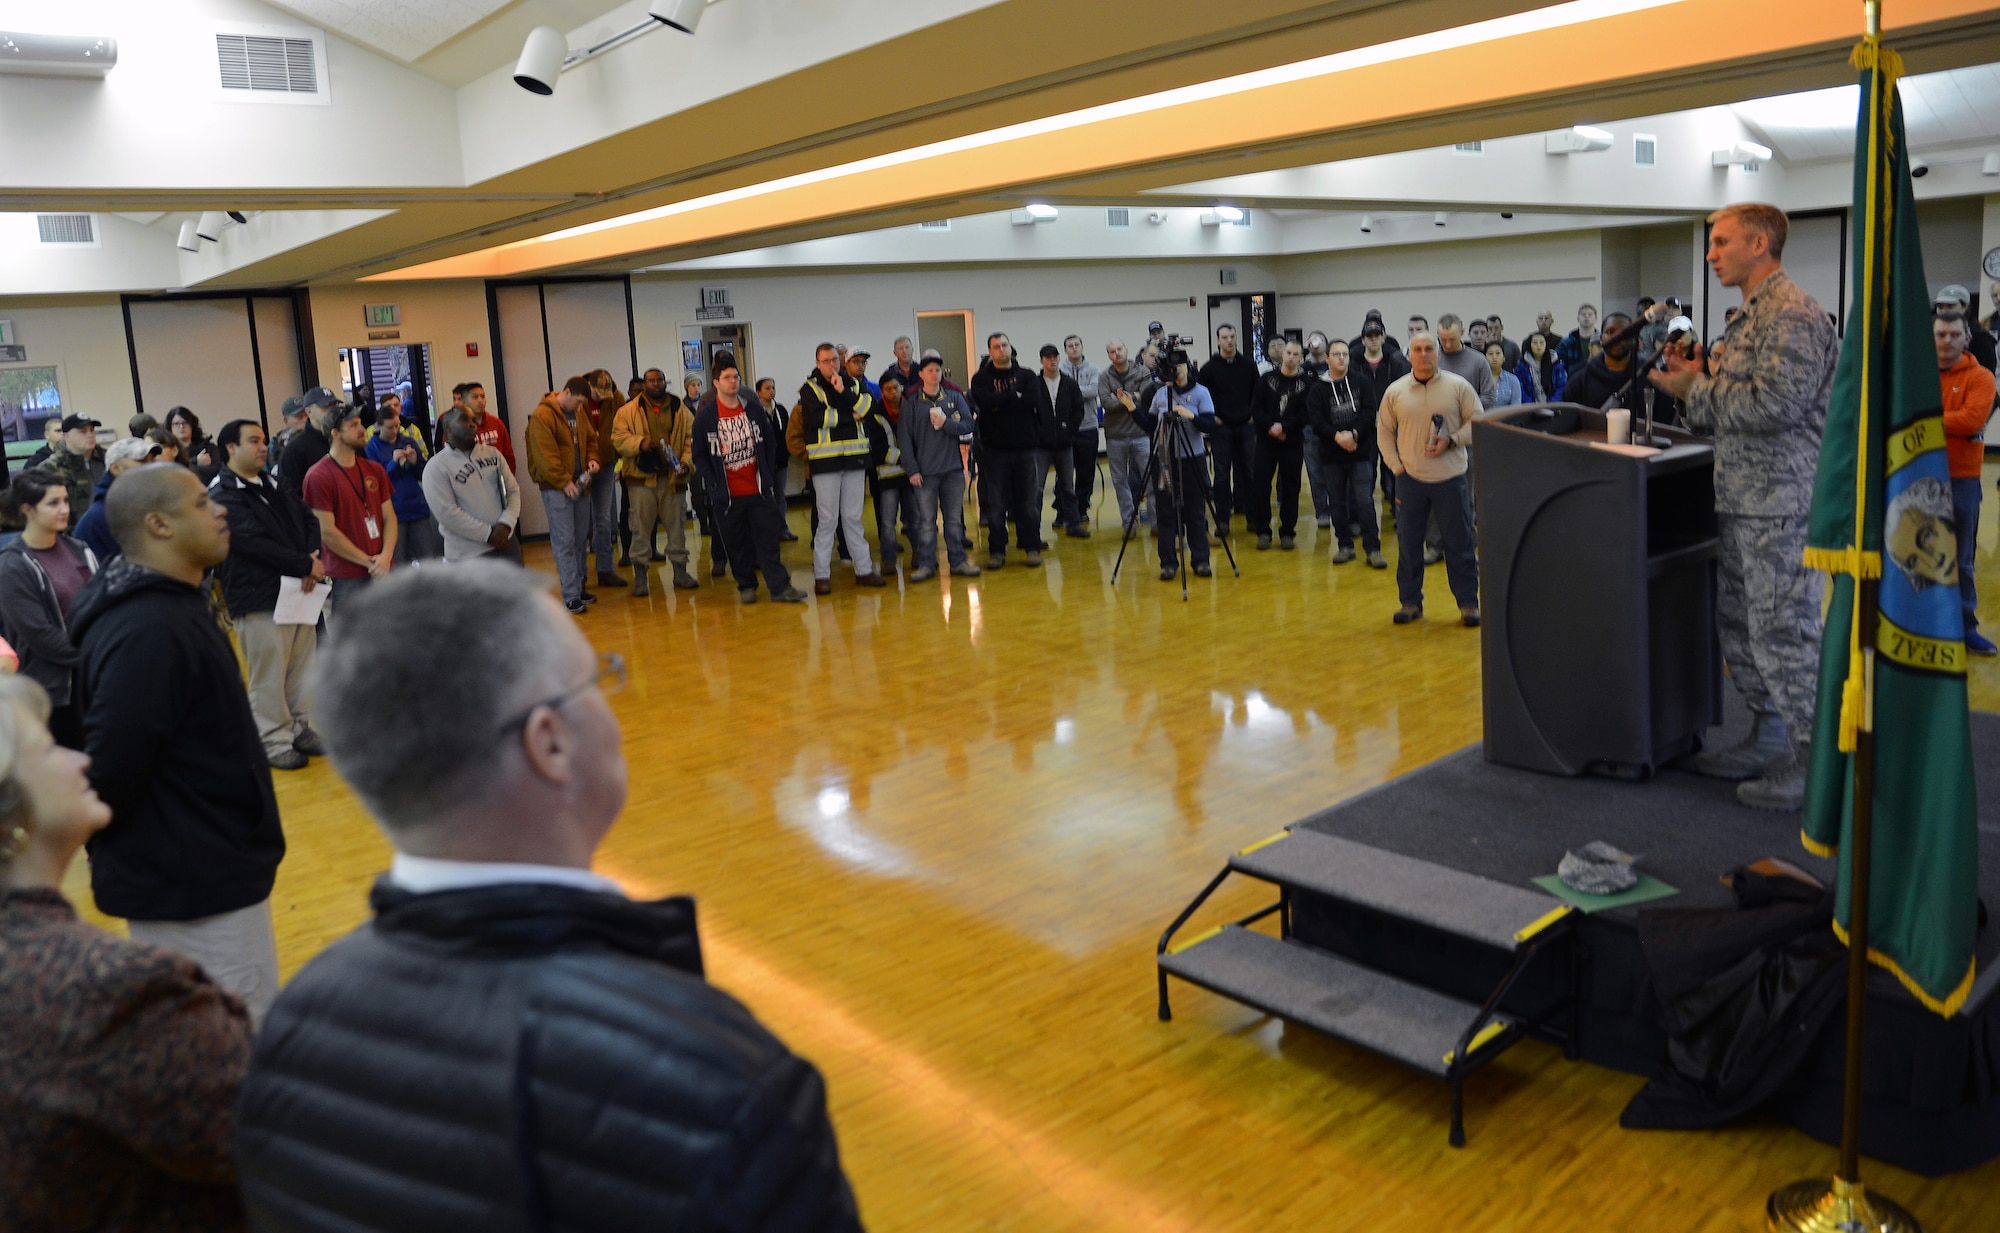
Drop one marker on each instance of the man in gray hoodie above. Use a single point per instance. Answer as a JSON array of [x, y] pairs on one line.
[[934, 423], [1122, 388], [472, 493]]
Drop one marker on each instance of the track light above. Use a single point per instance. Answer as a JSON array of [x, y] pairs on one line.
[[1438, 219], [682, 15], [1367, 223], [190, 241], [209, 226], [541, 60], [237, 216], [1919, 168], [1577, 139], [1744, 154], [1042, 212], [1229, 214]]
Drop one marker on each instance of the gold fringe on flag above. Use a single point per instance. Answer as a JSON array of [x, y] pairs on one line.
[[1856, 561], [1947, 1006]]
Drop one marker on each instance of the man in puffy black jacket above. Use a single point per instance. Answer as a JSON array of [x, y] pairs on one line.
[[194, 842], [1230, 377], [511, 1043], [1279, 410], [1011, 427], [1061, 411]]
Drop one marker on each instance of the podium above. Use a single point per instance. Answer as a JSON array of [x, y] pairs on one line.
[[1599, 651]]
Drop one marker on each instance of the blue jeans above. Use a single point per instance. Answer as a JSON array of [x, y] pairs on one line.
[[603, 510], [944, 491], [1416, 502], [569, 537], [1965, 498], [1128, 457]]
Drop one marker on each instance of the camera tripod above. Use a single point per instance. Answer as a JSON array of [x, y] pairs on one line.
[[1166, 440]]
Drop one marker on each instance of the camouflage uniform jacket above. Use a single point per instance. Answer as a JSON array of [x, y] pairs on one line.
[[1767, 404], [80, 476]]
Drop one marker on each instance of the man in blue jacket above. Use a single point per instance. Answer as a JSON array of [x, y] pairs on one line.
[[402, 455], [92, 529], [1180, 481]]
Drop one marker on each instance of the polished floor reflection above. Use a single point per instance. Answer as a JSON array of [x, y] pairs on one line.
[[935, 831]]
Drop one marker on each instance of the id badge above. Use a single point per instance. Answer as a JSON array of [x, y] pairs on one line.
[[373, 528]]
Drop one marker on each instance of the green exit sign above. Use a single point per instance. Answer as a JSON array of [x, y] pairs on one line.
[[382, 314]]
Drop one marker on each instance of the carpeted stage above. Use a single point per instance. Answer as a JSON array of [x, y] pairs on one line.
[[1932, 1102]]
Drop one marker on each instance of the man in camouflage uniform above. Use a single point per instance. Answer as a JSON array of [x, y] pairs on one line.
[[1766, 407], [76, 460]]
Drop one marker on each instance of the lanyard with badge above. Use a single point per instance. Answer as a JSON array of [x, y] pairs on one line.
[[368, 523]]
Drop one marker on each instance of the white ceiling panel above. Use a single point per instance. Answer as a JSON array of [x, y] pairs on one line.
[[1939, 109], [405, 29]]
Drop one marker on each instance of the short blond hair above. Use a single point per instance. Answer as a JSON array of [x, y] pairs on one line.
[[1762, 219], [22, 703]]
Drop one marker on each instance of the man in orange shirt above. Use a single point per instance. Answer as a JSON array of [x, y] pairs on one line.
[[1968, 400]]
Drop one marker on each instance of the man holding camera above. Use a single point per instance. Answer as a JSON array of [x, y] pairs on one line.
[[1180, 482], [654, 437]]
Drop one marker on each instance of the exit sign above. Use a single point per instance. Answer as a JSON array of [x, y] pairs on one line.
[[379, 315]]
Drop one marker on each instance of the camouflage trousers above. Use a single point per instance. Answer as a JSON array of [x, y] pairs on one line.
[[1767, 614]]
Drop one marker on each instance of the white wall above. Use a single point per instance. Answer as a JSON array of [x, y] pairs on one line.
[[127, 257], [1517, 278], [84, 337]]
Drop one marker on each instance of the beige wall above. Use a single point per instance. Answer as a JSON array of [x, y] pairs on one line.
[[84, 337], [447, 315]]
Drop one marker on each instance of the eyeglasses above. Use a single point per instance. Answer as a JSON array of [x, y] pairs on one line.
[[608, 679]]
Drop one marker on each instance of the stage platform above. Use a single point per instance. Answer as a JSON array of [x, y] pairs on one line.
[[1933, 1085]]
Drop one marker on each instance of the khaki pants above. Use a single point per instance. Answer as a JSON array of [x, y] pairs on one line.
[[237, 949], [279, 658], [655, 503]]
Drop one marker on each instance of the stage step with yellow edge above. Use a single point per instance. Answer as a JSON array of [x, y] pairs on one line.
[[1425, 1028]]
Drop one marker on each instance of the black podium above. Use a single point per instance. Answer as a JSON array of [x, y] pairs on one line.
[[1598, 575]]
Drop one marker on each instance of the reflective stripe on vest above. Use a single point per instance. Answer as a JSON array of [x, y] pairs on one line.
[[825, 446]]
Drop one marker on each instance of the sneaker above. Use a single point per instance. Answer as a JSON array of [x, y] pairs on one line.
[[790, 595], [1323, 522], [1431, 555], [1977, 643], [576, 606], [1033, 560], [870, 580], [996, 561], [1078, 530], [587, 597], [1214, 540], [1263, 543], [717, 569], [1469, 617], [925, 574], [1407, 613], [288, 760], [1168, 573], [786, 537], [749, 596], [967, 570], [611, 580], [309, 744], [1203, 571], [1288, 542], [822, 586], [1377, 561], [1345, 554]]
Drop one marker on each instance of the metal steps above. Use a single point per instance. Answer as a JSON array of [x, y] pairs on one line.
[[1399, 1020]]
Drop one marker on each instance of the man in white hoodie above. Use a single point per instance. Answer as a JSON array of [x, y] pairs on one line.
[[472, 493]]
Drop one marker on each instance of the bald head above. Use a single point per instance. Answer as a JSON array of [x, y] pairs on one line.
[[162, 518]]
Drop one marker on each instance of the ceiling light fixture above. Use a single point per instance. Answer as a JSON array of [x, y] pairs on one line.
[[57, 55], [1991, 167], [189, 241], [1229, 213], [237, 216], [209, 226], [1743, 154], [1367, 223], [546, 55], [1042, 212], [682, 15], [1577, 139], [1438, 219]]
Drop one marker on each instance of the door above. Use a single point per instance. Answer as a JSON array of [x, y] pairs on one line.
[[1255, 317], [403, 369], [949, 333]]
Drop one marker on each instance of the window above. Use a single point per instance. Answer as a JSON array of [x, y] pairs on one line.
[[1472, 148], [270, 64], [1118, 218], [1645, 150], [66, 230]]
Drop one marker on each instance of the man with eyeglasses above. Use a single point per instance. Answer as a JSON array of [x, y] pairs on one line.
[[512, 1041]]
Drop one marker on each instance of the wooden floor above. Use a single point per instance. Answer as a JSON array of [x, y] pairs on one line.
[[936, 830]]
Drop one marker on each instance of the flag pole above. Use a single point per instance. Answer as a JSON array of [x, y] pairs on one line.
[[1841, 1204]]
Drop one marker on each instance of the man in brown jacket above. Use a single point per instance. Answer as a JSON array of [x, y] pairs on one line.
[[654, 437], [562, 460]]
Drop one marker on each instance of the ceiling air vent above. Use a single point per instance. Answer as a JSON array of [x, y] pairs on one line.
[[270, 64], [69, 230], [1469, 147], [1118, 218], [1645, 150], [936, 224]]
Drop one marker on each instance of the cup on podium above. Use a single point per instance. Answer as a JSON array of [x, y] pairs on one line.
[[1617, 426]]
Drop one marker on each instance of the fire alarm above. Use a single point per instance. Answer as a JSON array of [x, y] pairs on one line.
[[472, 348], [1190, 301]]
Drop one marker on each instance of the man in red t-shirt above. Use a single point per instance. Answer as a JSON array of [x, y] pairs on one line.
[[739, 459], [349, 493], [486, 429]]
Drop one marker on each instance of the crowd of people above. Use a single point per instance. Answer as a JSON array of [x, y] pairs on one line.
[[451, 1064]]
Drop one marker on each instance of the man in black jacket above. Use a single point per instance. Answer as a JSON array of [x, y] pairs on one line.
[[308, 445], [512, 1042], [1279, 410], [271, 537], [739, 461], [1011, 432], [1380, 364], [1061, 414], [1230, 377], [194, 841], [1609, 371], [1343, 419]]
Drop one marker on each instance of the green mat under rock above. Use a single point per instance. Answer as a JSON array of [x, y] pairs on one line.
[[1649, 887]]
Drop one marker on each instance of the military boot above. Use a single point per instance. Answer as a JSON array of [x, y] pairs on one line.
[[641, 584], [1748, 757], [1782, 785], [683, 580]]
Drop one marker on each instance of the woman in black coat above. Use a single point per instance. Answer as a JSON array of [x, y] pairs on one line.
[[41, 571]]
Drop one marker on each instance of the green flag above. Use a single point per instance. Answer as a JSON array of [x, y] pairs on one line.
[[1883, 493]]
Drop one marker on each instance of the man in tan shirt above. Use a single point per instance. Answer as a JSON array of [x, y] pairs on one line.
[[654, 437], [1423, 426]]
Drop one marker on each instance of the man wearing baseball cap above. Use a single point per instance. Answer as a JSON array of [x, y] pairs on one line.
[[76, 460], [92, 529], [309, 444], [1953, 298]]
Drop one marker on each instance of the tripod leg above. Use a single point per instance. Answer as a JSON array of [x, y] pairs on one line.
[[1145, 482], [1223, 535]]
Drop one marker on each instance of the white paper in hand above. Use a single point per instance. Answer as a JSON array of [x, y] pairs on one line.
[[298, 606]]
